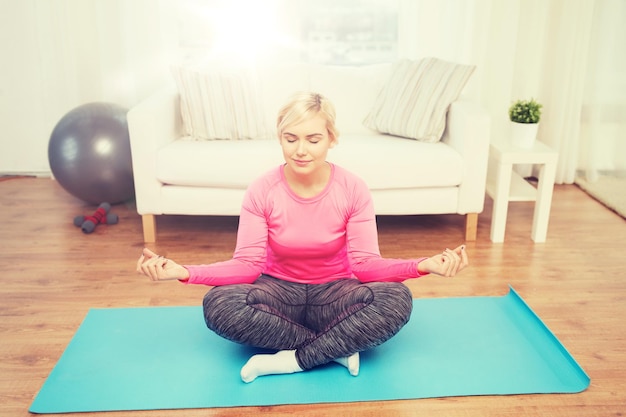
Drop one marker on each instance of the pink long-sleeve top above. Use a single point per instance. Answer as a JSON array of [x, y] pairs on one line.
[[306, 240]]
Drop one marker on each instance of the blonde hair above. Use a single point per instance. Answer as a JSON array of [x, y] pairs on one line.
[[303, 106]]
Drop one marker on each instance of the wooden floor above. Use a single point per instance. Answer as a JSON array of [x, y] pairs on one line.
[[51, 274]]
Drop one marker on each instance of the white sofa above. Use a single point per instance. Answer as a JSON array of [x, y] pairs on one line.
[[175, 174]]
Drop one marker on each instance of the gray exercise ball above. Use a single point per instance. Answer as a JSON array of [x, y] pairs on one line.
[[89, 154]]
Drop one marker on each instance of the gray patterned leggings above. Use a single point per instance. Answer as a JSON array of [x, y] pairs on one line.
[[322, 322]]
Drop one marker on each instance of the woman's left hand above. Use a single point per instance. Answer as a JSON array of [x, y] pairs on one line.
[[447, 264]]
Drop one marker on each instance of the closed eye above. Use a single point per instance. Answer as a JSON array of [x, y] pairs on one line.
[[315, 138]]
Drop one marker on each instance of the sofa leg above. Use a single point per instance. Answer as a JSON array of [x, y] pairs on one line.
[[471, 226], [149, 228]]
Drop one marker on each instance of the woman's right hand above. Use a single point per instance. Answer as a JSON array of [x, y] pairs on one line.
[[158, 268]]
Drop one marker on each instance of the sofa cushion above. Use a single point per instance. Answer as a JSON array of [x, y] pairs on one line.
[[383, 162], [415, 100], [220, 102], [387, 162], [225, 163], [352, 90]]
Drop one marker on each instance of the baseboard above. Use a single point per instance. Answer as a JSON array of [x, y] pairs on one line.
[[36, 174]]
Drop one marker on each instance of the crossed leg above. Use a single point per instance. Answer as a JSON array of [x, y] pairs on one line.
[[309, 325]]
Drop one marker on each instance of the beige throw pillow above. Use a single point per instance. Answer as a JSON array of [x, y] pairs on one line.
[[415, 100], [220, 103]]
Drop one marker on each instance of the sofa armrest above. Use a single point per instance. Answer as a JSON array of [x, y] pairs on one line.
[[468, 131], [152, 124]]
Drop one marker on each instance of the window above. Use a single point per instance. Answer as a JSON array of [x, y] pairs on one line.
[[323, 31]]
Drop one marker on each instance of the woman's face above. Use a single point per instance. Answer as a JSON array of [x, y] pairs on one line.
[[305, 145]]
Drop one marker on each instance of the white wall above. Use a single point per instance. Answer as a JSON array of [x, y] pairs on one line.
[[59, 54]]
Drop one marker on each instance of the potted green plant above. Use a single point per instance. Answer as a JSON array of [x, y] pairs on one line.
[[524, 116]]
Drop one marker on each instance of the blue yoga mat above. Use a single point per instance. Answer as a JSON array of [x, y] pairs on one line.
[[165, 358]]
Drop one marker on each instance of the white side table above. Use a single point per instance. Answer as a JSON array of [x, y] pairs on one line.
[[504, 185]]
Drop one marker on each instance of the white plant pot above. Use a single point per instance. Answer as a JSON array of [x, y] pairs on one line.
[[523, 135]]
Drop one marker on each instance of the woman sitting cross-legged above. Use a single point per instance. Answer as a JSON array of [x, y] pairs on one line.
[[306, 278]]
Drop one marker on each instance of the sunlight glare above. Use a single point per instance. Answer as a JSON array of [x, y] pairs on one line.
[[245, 30]]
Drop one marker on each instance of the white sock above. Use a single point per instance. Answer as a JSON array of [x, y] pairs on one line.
[[281, 362], [351, 362]]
